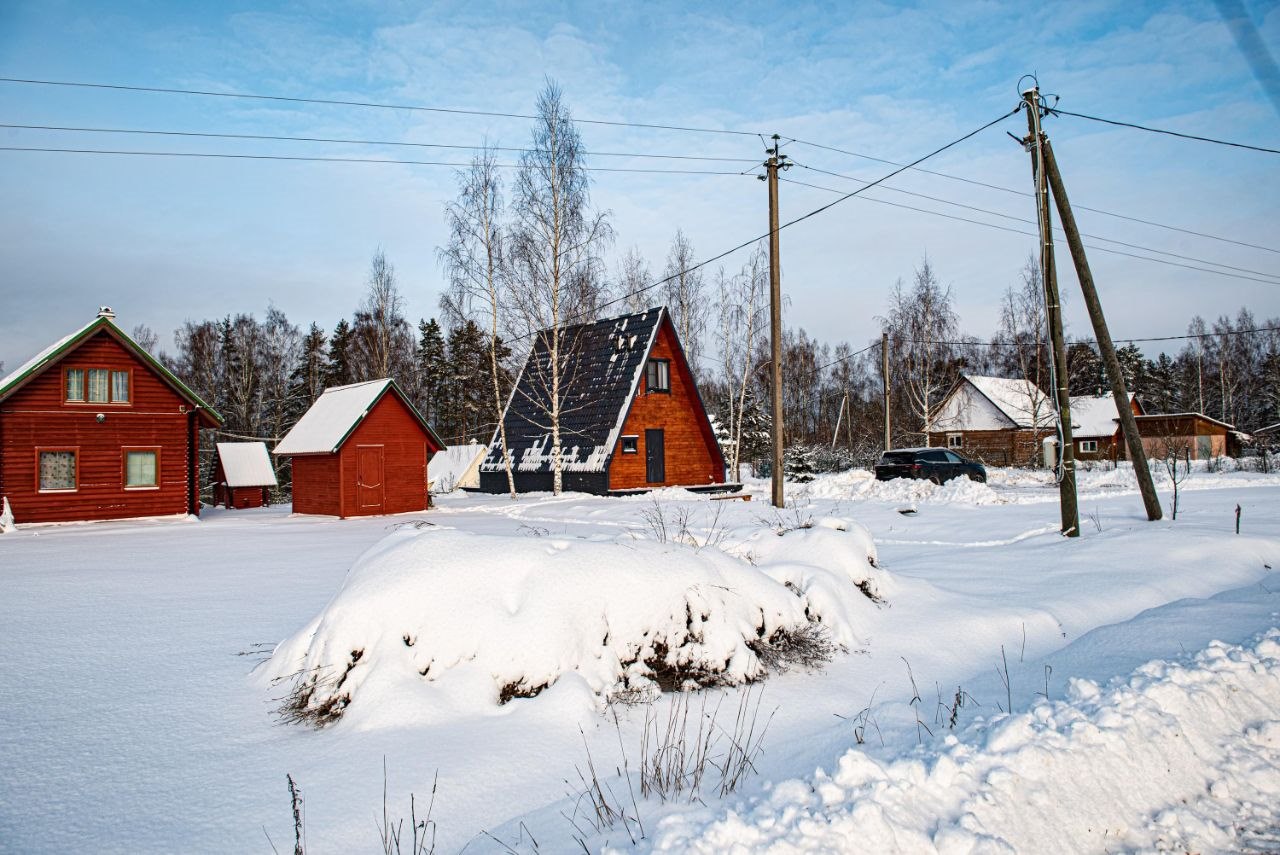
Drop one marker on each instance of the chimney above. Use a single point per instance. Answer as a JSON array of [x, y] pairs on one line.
[[105, 312]]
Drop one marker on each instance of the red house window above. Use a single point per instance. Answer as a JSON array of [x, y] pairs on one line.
[[57, 470], [97, 386], [141, 468]]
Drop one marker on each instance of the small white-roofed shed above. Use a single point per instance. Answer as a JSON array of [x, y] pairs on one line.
[[244, 475]]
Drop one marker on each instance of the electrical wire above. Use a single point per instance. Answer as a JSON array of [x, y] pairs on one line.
[[351, 103], [1016, 192], [802, 218], [1058, 111], [279, 138], [316, 159], [1032, 234], [1017, 219]]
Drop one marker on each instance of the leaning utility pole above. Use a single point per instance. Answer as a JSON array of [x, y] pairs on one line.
[[1053, 308], [884, 385], [1128, 424], [775, 162]]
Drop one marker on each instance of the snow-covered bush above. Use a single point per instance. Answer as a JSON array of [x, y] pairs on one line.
[[437, 619]]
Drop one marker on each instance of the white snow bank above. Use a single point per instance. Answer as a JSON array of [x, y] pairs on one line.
[[432, 620], [862, 484], [1177, 757]]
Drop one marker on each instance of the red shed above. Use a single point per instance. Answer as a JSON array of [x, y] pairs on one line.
[[361, 449], [244, 475], [631, 416], [94, 428]]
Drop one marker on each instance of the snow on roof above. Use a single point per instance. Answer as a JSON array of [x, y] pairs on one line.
[[606, 360], [35, 362], [1094, 415], [323, 427], [1017, 399], [451, 467], [246, 464]]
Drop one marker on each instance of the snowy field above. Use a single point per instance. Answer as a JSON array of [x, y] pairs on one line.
[[1141, 662]]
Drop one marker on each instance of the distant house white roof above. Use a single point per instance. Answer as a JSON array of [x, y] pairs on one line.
[[993, 403], [457, 466], [246, 464], [1094, 416], [1025, 403], [323, 427]]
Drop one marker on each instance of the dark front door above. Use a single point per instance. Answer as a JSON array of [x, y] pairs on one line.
[[370, 493], [654, 457]]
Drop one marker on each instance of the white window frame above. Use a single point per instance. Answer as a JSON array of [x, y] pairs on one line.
[[635, 444], [955, 440], [1088, 445]]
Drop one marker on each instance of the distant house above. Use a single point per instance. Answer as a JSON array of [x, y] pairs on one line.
[[631, 419], [993, 419], [243, 476], [93, 427], [457, 467], [1192, 434], [1095, 427], [361, 449]]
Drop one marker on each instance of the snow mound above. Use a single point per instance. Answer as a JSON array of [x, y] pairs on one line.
[[862, 484], [1178, 757], [6, 516], [434, 619]]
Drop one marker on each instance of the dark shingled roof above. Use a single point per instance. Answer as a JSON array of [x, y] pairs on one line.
[[604, 363]]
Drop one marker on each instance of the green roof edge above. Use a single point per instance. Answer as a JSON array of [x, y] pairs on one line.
[[103, 322]]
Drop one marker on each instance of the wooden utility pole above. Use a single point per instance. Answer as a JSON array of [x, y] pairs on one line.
[[775, 162], [884, 386], [1128, 424], [1053, 308]]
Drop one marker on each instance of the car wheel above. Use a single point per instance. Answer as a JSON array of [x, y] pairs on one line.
[[935, 479], [978, 476]]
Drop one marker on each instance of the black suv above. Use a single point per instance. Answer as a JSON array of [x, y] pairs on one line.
[[935, 464]]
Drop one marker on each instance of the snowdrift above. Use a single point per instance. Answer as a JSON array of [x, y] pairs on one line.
[[1163, 760], [448, 619]]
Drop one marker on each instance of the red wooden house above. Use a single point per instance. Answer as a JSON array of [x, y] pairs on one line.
[[93, 428], [361, 449], [632, 418], [244, 476]]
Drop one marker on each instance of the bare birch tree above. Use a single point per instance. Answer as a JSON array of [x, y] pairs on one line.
[[473, 261], [741, 326], [555, 238], [381, 337], [922, 322], [631, 278], [684, 294], [1023, 339]]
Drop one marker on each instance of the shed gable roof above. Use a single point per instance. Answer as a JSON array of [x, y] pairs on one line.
[[36, 365], [246, 464], [605, 362], [337, 412]]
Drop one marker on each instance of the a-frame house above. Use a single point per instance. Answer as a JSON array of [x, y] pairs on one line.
[[631, 416]]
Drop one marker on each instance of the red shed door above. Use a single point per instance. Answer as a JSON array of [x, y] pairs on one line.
[[370, 492]]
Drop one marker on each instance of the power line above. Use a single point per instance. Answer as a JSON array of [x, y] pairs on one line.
[[306, 159], [279, 138], [1058, 111], [1130, 340], [1016, 192], [351, 103], [1033, 222], [799, 219], [1030, 234]]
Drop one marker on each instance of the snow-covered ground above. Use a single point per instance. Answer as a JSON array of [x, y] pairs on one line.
[[1140, 661]]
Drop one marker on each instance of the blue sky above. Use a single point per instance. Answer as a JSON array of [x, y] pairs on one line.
[[164, 240]]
